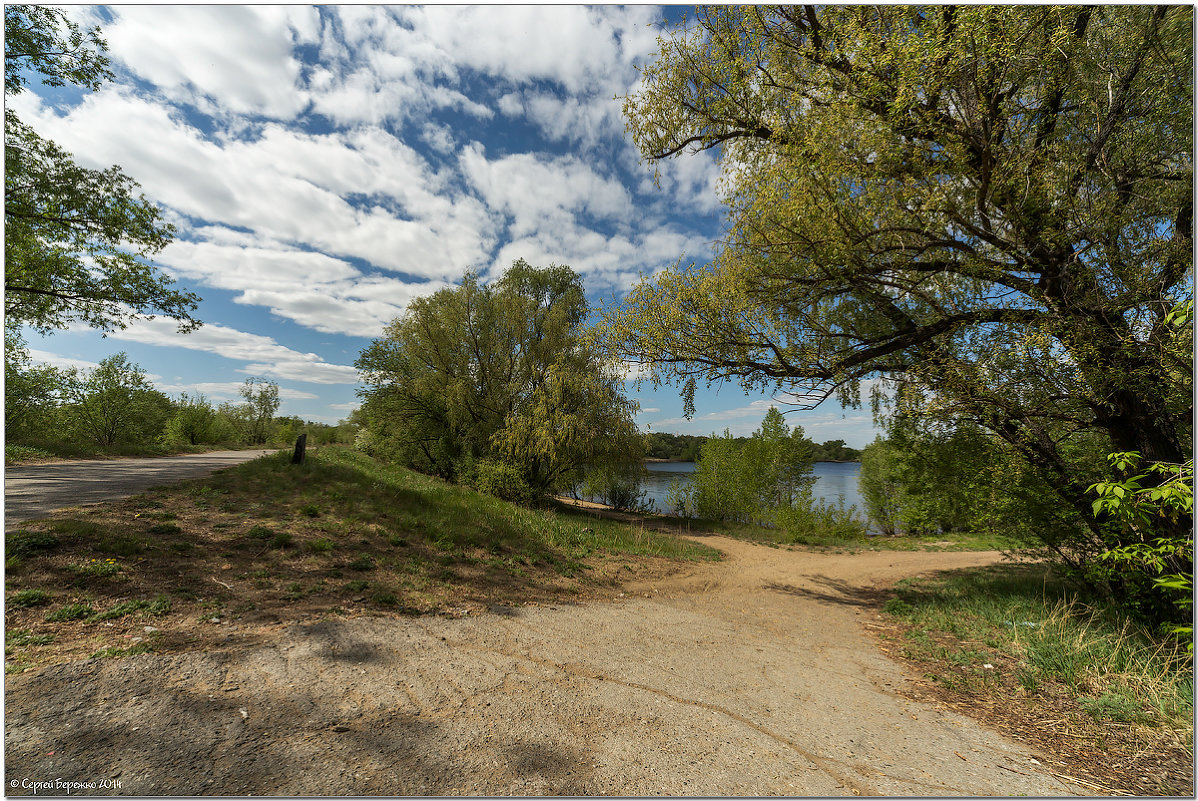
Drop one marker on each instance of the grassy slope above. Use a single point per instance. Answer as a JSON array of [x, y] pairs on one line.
[[268, 541]]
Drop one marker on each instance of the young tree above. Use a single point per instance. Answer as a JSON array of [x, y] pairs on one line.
[[754, 480], [261, 402], [196, 422], [991, 203], [115, 403], [497, 372], [75, 239]]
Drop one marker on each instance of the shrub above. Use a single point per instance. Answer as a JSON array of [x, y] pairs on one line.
[[502, 480]]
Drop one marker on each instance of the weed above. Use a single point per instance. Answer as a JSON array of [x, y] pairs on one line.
[[362, 563], [28, 598], [164, 528], [1114, 706], [384, 598], [22, 637], [321, 545], [95, 568], [282, 539], [112, 652], [182, 547], [74, 611], [26, 543], [397, 541], [260, 533], [293, 591], [357, 585], [157, 607], [121, 545], [310, 509]]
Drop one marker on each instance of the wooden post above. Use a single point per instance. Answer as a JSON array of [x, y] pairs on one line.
[[301, 445]]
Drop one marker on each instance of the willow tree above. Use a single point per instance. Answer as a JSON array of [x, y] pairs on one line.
[[989, 204], [479, 375]]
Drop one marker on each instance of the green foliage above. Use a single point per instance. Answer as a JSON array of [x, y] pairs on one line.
[[991, 204], [618, 486], [28, 598], [1138, 504], [500, 479], [27, 543], [753, 480], [261, 402], [76, 239], [664, 445], [497, 372], [69, 612], [196, 422], [927, 479], [31, 391], [114, 403], [834, 450]]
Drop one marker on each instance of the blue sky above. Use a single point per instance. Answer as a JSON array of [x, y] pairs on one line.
[[324, 166]]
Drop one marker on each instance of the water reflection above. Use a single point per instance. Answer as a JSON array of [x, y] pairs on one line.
[[833, 481]]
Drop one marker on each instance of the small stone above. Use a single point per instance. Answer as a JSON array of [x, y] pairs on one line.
[[149, 629]]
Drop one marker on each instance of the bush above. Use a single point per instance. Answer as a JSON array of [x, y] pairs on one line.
[[502, 480], [618, 487]]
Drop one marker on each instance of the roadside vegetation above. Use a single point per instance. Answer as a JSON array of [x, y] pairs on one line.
[[268, 542], [1045, 661], [114, 410]]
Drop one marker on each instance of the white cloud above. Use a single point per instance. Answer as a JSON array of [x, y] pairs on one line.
[[539, 192], [311, 289], [285, 186], [184, 51], [61, 362], [270, 359], [227, 390]]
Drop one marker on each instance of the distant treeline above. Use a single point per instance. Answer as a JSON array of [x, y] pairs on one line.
[[114, 408], [685, 447]]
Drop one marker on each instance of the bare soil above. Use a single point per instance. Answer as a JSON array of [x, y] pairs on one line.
[[755, 676]]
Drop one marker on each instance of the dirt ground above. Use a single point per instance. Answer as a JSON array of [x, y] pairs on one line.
[[752, 676]]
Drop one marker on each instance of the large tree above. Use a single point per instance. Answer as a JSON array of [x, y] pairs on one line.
[[498, 372], [989, 203], [76, 239]]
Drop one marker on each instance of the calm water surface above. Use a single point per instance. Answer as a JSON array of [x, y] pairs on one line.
[[833, 481]]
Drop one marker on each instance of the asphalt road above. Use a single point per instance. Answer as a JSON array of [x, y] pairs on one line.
[[33, 491]]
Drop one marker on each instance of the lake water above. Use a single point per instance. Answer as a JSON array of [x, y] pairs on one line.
[[833, 481]]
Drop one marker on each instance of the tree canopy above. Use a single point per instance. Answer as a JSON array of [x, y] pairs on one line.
[[498, 372], [990, 205], [76, 239]]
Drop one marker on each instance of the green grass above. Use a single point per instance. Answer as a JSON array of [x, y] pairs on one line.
[[28, 598], [348, 489], [827, 532], [1041, 638], [157, 607], [68, 612]]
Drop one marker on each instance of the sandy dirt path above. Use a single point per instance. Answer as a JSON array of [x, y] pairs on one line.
[[33, 491], [752, 676]]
